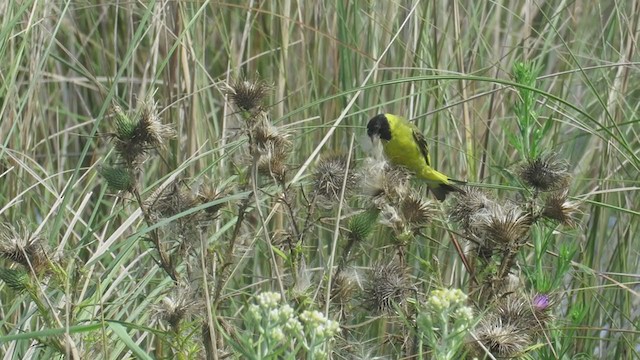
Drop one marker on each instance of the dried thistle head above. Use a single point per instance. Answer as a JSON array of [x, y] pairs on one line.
[[177, 307], [514, 309], [248, 95], [558, 207], [528, 313], [383, 183], [385, 286], [407, 217], [208, 193], [23, 247], [136, 134], [504, 225], [545, 173], [416, 211], [465, 205], [170, 200], [347, 282], [274, 147], [273, 163], [390, 217], [266, 135], [502, 340], [330, 174], [150, 129], [176, 199]]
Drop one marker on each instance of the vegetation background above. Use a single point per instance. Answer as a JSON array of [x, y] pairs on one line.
[[331, 65]]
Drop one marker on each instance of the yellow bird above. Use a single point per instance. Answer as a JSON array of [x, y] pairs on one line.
[[404, 145]]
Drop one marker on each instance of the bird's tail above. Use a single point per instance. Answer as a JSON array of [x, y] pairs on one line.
[[441, 190]]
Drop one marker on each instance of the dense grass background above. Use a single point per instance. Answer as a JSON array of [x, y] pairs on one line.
[[333, 65]]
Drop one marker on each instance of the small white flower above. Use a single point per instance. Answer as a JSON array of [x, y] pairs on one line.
[[269, 299], [286, 312], [312, 318], [254, 310], [465, 314], [274, 314], [332, 327], [442, 299], [276, 334], [293, 326], [320, 331], [319, 354]]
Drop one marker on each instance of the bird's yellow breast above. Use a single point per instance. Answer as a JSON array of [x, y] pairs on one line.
[[403, 150]]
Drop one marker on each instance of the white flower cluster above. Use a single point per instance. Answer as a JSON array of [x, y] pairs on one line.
[[280, 323], [278, 320], [443, 299], [450, 304], [445, 322], [315, 321], [464, 313], [269, 299]]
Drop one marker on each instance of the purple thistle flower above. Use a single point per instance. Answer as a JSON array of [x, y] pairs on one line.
[[541, 302]]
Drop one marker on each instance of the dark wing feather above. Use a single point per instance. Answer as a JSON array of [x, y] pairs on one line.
[[422, 145]]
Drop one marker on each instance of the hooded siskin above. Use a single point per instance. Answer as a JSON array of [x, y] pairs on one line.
[[404, 145]]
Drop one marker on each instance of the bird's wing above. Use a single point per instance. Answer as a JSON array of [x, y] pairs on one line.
[[422, 145]]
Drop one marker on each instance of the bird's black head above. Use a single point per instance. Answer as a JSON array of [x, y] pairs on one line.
[[379, 125]]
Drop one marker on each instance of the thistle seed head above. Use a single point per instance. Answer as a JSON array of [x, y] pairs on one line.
[[170, 200], [136, 134], [383, 183], [545, 173], [416, 211], [466, 205], [346, 283], [266, 135], [503, 340], [208, 193], [558, 207], [514, 309], [386, 285], [505, 225], [390, 217], [530, 314], [22, 247], [177, 307], [150, 129], [272, 163], [273, 147], [248, 95], [329, 176]]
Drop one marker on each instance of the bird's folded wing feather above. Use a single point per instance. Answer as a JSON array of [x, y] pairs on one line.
[[422, 145]]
